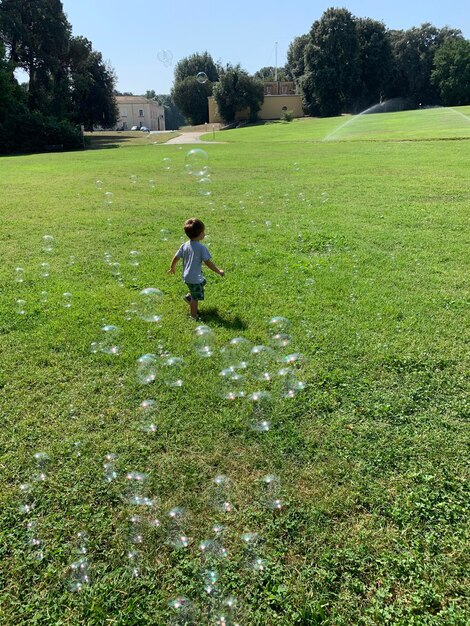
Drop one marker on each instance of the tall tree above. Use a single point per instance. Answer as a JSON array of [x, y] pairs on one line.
[[375, 63], [194, 64], [236, 91], [451, 73], [414, 51], [331, 64], [190, 96], [92, 86], [36, 34], [295, 56]]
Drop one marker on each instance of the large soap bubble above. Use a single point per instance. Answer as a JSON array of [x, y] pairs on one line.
[[202, 77], [197, 162], [150, 300]]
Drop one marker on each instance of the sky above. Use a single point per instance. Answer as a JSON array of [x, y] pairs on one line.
[[131, 36]]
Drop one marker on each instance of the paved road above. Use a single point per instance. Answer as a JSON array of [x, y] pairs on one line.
[[190, 137]]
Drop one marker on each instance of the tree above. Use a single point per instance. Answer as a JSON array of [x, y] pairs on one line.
[[413, 52], [268, 73], [36, 35], [92, 86], [295, 56], [451, 73], [331, 64], [375, 63], [194, 64], [190, 96], [236, 91]]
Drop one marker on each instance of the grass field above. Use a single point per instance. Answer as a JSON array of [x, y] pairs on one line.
[[362, 243]]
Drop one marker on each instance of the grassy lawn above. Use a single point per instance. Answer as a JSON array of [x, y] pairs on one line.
[[362, 243], [118, 139]]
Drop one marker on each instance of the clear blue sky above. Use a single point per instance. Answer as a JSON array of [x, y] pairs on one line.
[[130, 35]]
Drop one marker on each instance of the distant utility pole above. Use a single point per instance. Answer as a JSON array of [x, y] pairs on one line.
[[275, 61]]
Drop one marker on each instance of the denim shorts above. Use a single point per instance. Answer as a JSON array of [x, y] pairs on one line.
[[196, 290]]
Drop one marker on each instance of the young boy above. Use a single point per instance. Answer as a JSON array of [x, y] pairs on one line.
[[194, 254]]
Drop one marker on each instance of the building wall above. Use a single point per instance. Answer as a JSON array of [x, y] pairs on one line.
[[138, 111], [271, 109]]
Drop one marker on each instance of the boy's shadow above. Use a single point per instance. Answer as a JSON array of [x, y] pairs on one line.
[[211, 314]]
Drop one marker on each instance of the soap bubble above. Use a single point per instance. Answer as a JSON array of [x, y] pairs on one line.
[[225, 615], [201, 77], [279, 332], [41, 459], [291, 384], [166, 163], [26, 491], [134, 256], [290, 359], [109, 468], [108, 197], [47, 243], [44, 297], [236, 353], [196, 162], [19, 274], [252, 543], [164, 232], [108, 344], [220, 497], [262, 363], [44, 270], [271, 492], [261, 411], [133, 179], [147, 413], [99, 184], [176, 536], [165, 57], [204, 185], [67, 298], [146, 368], [184, 613], [136, 485], [204, 341], [150, 302], [79, 575], [21, 306], [152, 183], [171, 371], [232, 384], [324, 197]]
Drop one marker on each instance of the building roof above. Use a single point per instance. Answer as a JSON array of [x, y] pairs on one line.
[[132, 100]]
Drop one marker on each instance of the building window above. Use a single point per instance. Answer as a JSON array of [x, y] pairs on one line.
[[124, 113], [283, 88], [141, 113], [268, 91]]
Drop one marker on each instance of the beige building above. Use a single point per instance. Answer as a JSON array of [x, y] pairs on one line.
[[272, 108], [138, 111]]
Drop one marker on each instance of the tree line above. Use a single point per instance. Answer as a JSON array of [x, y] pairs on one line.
[[69, 84], [346, 63], [343, 64]]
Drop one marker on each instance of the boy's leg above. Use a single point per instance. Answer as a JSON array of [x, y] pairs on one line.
[[193, 307]]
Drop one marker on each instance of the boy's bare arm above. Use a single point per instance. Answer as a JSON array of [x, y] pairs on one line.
[[174, 261], [214, 268]]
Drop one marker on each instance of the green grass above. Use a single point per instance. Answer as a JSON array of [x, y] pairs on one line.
[[372, 455], [119, 139]]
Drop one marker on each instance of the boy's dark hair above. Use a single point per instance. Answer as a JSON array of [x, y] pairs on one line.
[[193, 227]]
